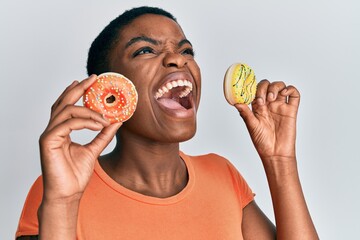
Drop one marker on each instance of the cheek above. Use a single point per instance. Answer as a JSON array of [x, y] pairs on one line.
[[141, 73], [197, 77], [195, 71]]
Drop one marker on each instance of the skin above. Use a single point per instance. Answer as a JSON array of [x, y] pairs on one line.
[[146, 157], [161, 56], [272, 127]]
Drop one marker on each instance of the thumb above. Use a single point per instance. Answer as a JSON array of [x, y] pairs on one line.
[[99, 143], [247, 115]]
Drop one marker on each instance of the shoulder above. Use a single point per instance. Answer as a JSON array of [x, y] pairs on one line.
[[218, 170], [28, 223], [211, 161], [208, 157], [212, 165], [34, 196]]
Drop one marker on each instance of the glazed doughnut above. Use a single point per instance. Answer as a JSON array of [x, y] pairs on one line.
[[239, 84], [112, 95]]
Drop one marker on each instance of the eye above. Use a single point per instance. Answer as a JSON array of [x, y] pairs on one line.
[[188, 51], [144, 50]]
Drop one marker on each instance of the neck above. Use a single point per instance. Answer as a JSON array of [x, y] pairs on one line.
[[151, 168]]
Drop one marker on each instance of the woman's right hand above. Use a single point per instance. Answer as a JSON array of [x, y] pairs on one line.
[[66, 165]]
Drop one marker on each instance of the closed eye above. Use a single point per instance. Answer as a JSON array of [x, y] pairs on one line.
[[188, 51], [143, 50]]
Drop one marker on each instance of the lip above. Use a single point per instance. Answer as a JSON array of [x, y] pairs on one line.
[[178, 113]]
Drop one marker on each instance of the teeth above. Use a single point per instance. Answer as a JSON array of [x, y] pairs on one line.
[[165, 89], [157, 95], [169, 86], [177, 83]]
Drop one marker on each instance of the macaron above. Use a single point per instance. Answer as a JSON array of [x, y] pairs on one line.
[[239, 84]]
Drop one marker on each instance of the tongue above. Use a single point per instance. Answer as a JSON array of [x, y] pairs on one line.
[[170, 103]]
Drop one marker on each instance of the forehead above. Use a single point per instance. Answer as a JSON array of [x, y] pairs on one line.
[[158, 27]]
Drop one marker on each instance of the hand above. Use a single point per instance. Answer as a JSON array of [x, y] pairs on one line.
[[272, 121], [68, 166], [272, 127]]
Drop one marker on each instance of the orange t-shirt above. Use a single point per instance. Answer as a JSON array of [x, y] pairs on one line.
[[209, 207]]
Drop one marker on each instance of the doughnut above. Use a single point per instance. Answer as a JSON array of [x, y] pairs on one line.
[[239, 84], [112, 95]]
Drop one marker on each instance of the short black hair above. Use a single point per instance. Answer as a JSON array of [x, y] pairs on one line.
[[98, 57]]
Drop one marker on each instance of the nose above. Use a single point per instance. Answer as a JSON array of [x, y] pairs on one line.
[[174, 60]]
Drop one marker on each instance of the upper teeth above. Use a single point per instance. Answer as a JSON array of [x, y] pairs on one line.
[[173, 84]]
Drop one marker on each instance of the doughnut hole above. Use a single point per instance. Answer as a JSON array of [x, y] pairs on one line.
[[110, 100]]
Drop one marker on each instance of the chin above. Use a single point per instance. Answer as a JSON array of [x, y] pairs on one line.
[[180, 135], [185, 136]]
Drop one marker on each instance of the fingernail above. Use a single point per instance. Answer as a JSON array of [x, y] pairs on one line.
[[260, 101], [103, 116], [119, 125], [270, 96], [92, 76], [237, 105]]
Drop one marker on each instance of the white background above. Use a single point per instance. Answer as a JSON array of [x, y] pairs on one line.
[[313, 45]]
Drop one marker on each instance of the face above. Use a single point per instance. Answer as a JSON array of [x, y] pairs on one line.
[[154, 53]]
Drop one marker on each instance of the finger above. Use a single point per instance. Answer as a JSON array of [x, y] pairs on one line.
[[273, 92], [99, 143], [72, 111], [261, 92], [293, 95], [65, 128], [73, 95], [68, 88], [259, 104], [247, 115]]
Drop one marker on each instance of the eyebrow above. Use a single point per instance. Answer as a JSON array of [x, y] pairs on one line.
[[152, 41], [141, 38], [184, 41]]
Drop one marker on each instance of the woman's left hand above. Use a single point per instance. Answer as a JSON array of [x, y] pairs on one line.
[[272, 121], [272, 127]]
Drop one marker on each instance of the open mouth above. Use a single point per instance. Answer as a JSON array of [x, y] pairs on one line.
[[175, 95]]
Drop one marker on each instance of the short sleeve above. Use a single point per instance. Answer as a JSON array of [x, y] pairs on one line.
[[28, 223], [245, 193]]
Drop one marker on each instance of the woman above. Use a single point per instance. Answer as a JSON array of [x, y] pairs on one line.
[[146, 188]]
